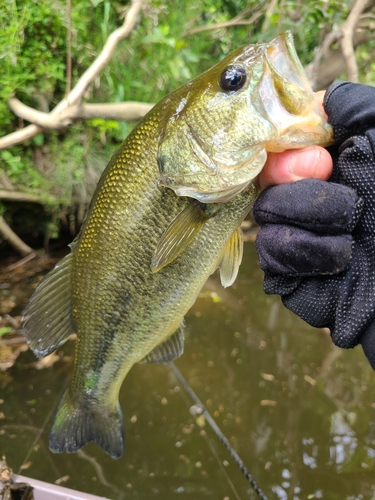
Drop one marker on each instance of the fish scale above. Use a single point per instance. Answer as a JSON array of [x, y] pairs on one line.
[[146, 249]]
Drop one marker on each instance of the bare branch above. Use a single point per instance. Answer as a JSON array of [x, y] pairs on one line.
[[44, 120], [236, 21], [19, 136], [128, 111], [13, 239], [347, 30]]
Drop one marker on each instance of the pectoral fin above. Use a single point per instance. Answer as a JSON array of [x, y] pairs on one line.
[[178, 235], [169, 350], [231, 258]]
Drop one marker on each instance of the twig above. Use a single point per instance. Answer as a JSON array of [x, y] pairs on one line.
[[69, 49], [20, 262], [269, 11], [225, 24], [62, 112], [13, 239]]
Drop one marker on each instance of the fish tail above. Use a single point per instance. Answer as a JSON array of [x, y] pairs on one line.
[[78, 422]]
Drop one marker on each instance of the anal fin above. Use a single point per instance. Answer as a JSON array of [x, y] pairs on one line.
[[231, 258], [48, 320], [169, 350], [178, 235]]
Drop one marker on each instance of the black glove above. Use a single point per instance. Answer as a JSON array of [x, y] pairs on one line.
[[317, 239]]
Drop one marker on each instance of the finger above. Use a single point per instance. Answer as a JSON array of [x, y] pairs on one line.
[[294, 165], [312, 254], [311, 204]]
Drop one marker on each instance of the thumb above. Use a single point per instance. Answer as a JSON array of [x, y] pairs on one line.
[[294, 165]]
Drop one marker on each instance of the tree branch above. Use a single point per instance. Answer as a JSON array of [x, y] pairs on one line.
[[236, 21], [322, 74], [18, 196], [347, 47], [329, 63], [19, 136], [64, 113], [128, 111], [105, 55]]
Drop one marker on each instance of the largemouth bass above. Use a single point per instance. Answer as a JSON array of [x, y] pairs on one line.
[[166, 214]]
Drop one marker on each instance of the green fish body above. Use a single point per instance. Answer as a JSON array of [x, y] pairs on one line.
[[166, 214]]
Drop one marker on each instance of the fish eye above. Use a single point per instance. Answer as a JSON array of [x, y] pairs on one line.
[[233, 78]]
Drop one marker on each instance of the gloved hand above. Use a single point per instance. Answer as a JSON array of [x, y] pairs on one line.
[[317, 239]]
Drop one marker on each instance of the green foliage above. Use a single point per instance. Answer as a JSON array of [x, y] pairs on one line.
[[4, 330], [19, 168], [32, 49]]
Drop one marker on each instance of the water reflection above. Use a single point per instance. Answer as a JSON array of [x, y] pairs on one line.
[[298, 411]]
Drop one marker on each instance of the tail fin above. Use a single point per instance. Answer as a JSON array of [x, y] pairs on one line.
[[78, 422]]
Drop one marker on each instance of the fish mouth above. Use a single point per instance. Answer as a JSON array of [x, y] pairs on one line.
[[288, 101]]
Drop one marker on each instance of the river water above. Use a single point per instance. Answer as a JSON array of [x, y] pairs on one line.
[[298, 411]]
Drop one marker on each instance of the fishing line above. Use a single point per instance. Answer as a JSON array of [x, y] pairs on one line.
[[214, 453], [218, 432], [37, 437]]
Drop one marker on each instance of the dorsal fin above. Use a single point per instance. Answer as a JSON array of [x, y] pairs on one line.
[[48, 320], [169, 350], [231, 258], [178, 235]]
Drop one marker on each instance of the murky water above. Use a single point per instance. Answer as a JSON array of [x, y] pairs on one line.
[[300, 413]]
